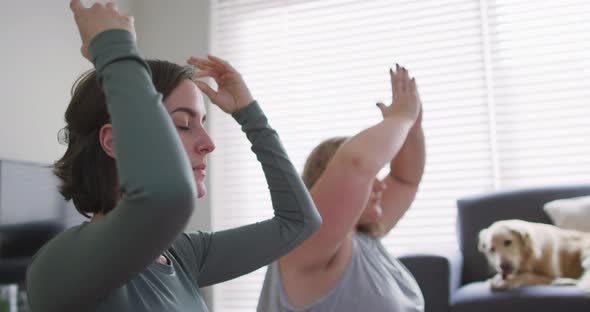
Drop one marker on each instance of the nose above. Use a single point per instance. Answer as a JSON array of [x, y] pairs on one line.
[[506, 267], [204, 144]]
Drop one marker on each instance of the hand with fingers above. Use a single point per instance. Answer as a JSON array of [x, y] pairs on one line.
[[232, 93], [96, 19], [406, 101]]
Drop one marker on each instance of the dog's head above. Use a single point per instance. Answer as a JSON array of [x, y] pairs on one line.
[[507, 246]]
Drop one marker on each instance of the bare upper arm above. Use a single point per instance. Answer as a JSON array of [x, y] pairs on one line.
[[395, 201], [340, 196]]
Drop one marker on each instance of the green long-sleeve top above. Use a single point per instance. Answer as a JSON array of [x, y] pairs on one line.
[[109, 264]]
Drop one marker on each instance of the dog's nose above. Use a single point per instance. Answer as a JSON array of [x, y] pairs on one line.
[[506, 267]]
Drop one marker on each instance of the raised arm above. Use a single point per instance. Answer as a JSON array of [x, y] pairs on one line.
[[84, 264], [406, 170], [224, 255], [342, 191]]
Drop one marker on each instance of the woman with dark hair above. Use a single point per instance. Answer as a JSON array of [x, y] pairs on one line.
[[343, 266], [135, 162]]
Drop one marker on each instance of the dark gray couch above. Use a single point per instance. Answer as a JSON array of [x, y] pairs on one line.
[[455, 282], [31, 212], [18, 243]]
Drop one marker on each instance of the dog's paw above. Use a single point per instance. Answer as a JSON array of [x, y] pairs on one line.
[[563, 281], [584, 284], [498, 283]]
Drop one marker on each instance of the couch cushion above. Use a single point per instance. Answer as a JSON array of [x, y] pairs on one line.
[[478, 297], [570, 213]]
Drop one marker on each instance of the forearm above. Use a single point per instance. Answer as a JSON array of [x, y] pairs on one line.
[[408, 165], [289, 196], [372, 148], [239, 251]]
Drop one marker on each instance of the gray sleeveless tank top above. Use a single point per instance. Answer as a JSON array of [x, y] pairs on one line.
[[373, 281]]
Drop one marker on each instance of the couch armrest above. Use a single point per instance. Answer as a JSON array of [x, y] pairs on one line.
[[25, 239], [437, 275]]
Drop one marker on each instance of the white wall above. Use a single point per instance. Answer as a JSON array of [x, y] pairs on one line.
[[172, 30], [39, 61]]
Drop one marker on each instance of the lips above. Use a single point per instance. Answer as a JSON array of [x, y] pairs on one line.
[[199, 167], [199, 170]]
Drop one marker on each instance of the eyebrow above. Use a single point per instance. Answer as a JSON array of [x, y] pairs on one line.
[[185, 110], [188, 111]]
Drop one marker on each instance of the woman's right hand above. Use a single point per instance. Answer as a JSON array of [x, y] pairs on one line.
[[406, 101], [96, 19]]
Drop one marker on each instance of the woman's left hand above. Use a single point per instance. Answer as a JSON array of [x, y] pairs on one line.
[[232, 93]]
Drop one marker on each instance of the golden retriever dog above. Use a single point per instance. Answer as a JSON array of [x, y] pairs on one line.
[[526, 253]]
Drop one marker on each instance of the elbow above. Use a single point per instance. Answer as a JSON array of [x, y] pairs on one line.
[[177, 195], [311, 223], [315, 222], [407, 181], [359, 165], [183, 198], [180, 196]]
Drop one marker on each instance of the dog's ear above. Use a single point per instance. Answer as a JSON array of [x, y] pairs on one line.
[[525, 235], [481, 245]]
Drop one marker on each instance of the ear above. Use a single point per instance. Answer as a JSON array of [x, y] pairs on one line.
[[481, 246], [525, 234], [105, 137], [534, 244]]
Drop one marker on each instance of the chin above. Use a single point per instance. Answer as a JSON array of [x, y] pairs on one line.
[[201, 189]]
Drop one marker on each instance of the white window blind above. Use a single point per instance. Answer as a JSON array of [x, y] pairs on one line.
[[504, 87], [541, 68]]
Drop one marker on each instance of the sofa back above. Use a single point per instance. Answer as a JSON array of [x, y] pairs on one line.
[[478, 212]]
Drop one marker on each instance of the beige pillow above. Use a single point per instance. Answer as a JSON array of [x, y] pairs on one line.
[[570, 213]]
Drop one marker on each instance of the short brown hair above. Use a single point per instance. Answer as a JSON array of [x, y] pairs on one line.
[[88, 175]]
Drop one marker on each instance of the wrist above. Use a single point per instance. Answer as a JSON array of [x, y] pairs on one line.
[[245, 101], [416, 131]]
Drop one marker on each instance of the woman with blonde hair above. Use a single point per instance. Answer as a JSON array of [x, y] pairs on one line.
[[343, 266]]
